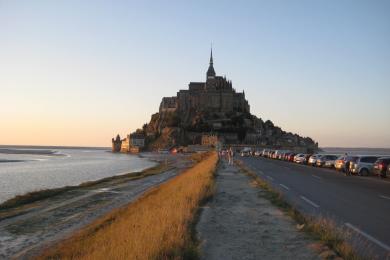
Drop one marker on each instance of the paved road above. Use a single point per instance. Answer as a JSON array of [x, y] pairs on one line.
[[24, 234], [359, 204]]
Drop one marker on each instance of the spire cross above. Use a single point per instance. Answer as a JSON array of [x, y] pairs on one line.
[[211, 54]]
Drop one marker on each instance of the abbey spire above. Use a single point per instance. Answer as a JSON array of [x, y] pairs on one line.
[[211, 71]]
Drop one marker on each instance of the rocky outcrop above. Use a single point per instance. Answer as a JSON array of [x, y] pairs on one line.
[[214, 107], [169, 129]]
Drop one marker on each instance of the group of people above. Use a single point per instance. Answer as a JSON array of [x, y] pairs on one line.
[[228, 154]]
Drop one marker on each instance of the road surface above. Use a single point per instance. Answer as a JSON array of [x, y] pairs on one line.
[[359, 204]]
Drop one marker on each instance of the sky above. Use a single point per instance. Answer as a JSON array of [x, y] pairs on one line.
[[79, 72]]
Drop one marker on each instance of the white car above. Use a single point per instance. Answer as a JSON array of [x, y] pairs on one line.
[[299, 158], [313, 159]]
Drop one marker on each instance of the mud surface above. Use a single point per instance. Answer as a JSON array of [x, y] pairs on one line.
[[239, 223], [25, 231]]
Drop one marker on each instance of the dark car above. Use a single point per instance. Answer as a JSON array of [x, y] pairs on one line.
[[325, 158], [380, 166], [291, 157], [287, 156]]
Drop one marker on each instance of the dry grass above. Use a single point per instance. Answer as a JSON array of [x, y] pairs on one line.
[[323, 229], [156, 226]]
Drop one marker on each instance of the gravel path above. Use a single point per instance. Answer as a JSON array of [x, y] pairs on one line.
[[239, 223]]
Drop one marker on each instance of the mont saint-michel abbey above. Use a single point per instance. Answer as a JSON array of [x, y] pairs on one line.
[[208, 113], [215, 95]]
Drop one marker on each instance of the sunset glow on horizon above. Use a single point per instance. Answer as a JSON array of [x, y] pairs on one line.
[[77, 74]]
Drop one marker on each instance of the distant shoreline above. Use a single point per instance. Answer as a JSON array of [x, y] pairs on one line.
[[357, 151], [53, 147], [10, 161], [355, 148]]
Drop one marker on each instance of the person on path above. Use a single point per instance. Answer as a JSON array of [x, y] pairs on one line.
[[346, 166], [230, 156]]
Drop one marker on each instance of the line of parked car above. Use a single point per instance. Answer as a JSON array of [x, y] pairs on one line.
[[363, 165]]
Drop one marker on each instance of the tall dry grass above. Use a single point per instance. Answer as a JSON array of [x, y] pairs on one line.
[[156, 226]]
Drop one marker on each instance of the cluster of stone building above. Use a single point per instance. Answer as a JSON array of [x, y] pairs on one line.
[[133, 143], [214, 95], [208, 113]]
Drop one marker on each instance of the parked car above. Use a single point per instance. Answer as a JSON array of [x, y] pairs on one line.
[[340, 163], [265, 152], [278, 154], [313, 159], [329, 163], [270, 153], [388, 169], [291, 157], [281, 155], [286, 155], [245, 152], [381, 166], [325, 158], [298, 158], [363, 165], [257, 153]]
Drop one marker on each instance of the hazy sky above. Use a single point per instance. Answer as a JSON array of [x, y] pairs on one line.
[[78, 72]]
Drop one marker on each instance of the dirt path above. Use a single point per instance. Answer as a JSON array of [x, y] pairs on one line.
[[239, 223], [46, 221]]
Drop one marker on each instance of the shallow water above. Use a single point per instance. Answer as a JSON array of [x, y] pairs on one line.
[[31, 172], [357, 151]]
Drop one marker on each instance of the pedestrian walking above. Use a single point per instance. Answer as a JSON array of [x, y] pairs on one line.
[[230, 156], [347, 164]]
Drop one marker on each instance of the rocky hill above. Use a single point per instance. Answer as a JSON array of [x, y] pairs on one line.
[[167, 129], [215, 108]]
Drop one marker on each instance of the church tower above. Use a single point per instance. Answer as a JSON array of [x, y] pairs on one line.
[[211, 71]]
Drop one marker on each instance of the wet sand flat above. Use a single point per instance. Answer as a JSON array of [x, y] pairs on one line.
[[24, 232]]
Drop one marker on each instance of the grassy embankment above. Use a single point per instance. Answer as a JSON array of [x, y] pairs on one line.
[[159, 225], [35, 196], [322, 229]]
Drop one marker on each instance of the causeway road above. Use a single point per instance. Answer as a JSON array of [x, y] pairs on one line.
[[360, 205]]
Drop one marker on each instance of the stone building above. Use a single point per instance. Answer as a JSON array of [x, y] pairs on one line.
[[168, 104], [213, 107], [126, 145], [216, 94], [133, 143], [116, 144], [137, 140]]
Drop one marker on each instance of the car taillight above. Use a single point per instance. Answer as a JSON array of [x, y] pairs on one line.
[[382, 165]]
